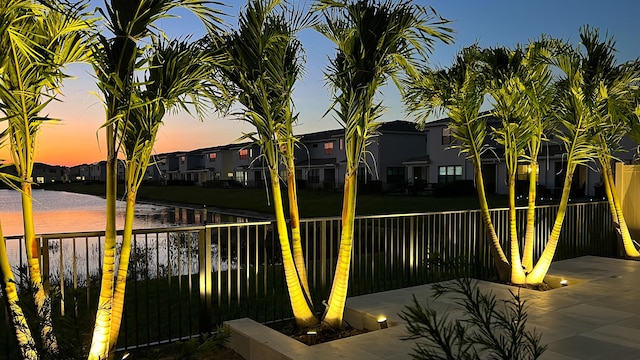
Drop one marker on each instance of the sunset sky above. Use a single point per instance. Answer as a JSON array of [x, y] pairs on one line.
[[77, 140]]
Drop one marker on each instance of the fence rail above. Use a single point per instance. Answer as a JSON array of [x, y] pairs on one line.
[[186, 280]]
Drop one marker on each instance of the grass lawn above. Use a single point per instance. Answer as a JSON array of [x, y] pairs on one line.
[[312, 203]]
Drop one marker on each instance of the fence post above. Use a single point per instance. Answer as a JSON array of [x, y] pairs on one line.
[[323, 254], [44, 265], [205, 273], [412, 257]]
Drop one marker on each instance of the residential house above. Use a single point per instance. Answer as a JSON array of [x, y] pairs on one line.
[[444, 164], [321, 158], [400, 158], [80, 173]]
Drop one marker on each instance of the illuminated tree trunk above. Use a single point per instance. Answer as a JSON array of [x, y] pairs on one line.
[[529, 236], [616, 210], [18, 321], [517, 274], [301, 308], [542, 266], [338, 296], [123, 267], [101, 332], [294, 216], [32, 246], [502, 264]]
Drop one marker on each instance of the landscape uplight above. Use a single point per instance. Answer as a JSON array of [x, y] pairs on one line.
[[382, 323], [312, 337], [564, 282]]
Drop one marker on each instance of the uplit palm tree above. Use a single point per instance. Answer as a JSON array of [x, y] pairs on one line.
[[116, 60], [376, 41], [37, 40], [520, 85], [577, 125], [262, 60], [178, 74], [610, 90], [17, 318], [459, 92]]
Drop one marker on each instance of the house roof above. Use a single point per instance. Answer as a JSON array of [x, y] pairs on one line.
[[400, 126], [322, 135]]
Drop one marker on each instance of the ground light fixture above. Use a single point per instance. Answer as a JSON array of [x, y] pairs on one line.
[[382, 323], [564, 282], [312, 337]]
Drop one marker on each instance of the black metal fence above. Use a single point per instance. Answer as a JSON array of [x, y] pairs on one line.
[[184, 281]]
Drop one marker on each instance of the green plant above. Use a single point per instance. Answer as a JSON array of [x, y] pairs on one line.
[[218, 339], [490, 329]]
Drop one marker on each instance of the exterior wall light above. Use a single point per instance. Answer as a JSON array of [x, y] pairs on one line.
[[564, 282]]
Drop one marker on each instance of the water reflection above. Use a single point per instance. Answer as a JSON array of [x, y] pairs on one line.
[[77, 260], [59, 211]]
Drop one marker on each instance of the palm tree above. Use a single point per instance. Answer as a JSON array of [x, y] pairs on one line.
[[37, 41], [19, 324], [520, 85], [177, 78], [609, 89], [577, 126], [115, 61], [376, 41], [263, 60], [459, 91]]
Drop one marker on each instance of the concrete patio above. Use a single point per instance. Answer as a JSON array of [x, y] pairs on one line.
[[596, 318]]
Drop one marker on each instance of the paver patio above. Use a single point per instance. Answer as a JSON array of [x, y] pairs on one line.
[[597, 318]]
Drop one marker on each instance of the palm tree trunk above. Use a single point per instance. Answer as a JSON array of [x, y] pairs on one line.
[[18, 321], [101, 332], [616, 211], [294, 215], [40, 298], [542, 266], [608, 190], [338, 296], [500, 259], [518, 276], [529, 236], [123, 267], [302, 311]]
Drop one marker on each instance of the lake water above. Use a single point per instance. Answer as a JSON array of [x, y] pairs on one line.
[[64, 212], [59, 211]]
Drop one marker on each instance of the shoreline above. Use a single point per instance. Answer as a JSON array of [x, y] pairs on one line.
[[251, 215]]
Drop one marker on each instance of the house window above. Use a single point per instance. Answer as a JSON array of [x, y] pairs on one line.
[[446, 136], [328, 148], [450, 173], [244, 154], [341, 144], [395, 175], [213, 156]]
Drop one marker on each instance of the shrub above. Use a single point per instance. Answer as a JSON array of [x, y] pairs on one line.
[[491, 329]]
